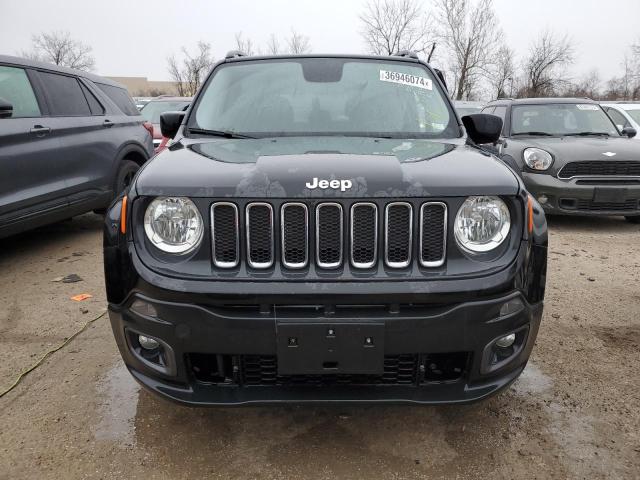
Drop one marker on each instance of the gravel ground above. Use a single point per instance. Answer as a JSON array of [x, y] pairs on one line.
[[572, 414]]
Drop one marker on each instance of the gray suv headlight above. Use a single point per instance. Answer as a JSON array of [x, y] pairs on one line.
[[173, 224], [537, 159], [482, 223]]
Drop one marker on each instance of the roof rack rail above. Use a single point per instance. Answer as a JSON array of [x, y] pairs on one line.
[[406, 53], [235, 54]]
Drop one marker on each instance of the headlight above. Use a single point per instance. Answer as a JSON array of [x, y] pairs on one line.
[[537, 159], [482, 223], [173, 224]]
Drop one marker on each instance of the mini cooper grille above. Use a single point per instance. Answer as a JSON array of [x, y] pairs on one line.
[[260, 235], [364, 234], [600, 168], [295, 225], [329, 234], [398, 234], [224, 221], [317, 231]]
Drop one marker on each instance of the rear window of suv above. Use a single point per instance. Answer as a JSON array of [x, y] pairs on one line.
[[121, 98]]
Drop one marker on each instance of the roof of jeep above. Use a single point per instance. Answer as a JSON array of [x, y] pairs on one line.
[[245, 58], [540, 101], [25, 62]]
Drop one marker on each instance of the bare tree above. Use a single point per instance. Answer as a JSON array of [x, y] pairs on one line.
[[544, 67], [389, 26], [470, 34], [502, 72], [60, 49], [273, 45], [192, 70], [298, 44], [588, 86], [244, 45]]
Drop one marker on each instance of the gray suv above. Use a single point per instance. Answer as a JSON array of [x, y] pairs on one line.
[[69, 142]]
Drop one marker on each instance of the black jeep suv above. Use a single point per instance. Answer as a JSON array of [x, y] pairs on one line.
[[70, 142], [323, 229], [571, 155]]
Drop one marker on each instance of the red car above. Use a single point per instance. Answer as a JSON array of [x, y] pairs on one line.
[[151, 112]]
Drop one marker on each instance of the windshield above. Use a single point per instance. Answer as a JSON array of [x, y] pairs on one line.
[[152, 110], [560, 119], [635, 114], [324, 96]]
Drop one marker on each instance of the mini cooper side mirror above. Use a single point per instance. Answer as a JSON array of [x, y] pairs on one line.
[[170, 123], [483, 128], [629, 132], [6, 109]]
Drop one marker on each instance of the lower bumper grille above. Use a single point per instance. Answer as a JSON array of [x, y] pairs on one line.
[[262, 370], [607, 206]]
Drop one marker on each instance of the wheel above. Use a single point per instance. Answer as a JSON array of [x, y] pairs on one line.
[[125, 175], [633, 219]]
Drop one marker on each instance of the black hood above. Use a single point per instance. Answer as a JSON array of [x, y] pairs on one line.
[[573, 149], [281, 167]]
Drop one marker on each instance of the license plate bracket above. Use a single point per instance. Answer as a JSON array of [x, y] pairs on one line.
[[609, 195], [330, 348]]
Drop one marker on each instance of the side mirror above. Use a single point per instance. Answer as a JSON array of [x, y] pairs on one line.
[[6, 109], [170, 123], [441, 77], [629, 132], [482, 128]]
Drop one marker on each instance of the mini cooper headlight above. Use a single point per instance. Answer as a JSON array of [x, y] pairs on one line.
[[173, 224], [482, 223], [537, 159]]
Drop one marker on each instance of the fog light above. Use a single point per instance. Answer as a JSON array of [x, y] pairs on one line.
[[512, 306], [143, 308], [542, 199], [506, 341], [149, 343]]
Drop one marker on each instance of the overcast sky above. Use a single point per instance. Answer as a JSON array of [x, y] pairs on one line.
[[134, 37]]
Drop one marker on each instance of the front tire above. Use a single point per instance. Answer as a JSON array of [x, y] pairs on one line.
[[633, 219], [125, 175]]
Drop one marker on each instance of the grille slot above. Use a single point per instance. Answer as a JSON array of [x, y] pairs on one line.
[[263, 370], [589, 205], [398, 234], [600, 168], [433, 234], [259, 235], [329, 235], [295, 233], [225, 234], [364, 235]]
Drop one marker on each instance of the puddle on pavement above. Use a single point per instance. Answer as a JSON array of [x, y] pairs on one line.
[[119, 392], [532, 381]]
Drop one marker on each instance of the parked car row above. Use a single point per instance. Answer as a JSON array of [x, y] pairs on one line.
[[155, 107], [70, 141]]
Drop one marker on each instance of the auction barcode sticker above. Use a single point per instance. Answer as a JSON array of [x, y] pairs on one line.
[[406, 79]]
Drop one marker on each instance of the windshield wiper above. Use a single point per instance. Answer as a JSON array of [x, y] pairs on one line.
[[533, 134], [218, 133], [586, 134]]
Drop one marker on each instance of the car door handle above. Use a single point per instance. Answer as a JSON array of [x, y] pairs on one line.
[[39, 130], [108, 123]]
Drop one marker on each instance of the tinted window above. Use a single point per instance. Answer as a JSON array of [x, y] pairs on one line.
[[16, 89], [560, 119], [65, 95], [326, 96], [94, 104], [152, 110], [121, 98]]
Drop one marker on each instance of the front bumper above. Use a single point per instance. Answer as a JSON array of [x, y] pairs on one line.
[[231, 340], [577, 196]]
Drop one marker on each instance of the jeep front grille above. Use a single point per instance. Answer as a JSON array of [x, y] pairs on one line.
[[260, 235], [314, 232]]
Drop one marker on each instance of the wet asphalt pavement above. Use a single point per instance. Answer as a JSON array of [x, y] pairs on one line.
[[573, 413]]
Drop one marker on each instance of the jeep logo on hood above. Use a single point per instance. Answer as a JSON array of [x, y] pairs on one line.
[[343, 185]]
